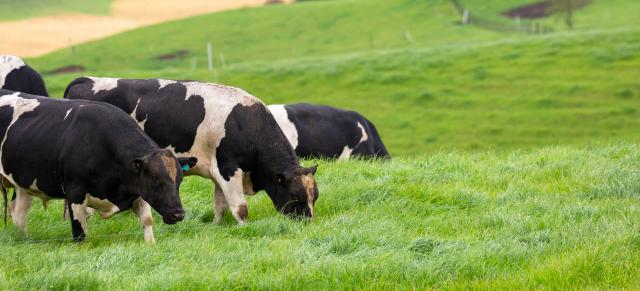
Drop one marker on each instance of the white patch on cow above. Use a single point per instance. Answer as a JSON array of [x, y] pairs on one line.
[[134, 115], [143, 210], [364, 137], [164, 83], [68, 111], [282, 118], [104, 207], [103, 84], [233, 193], [142, 123], [7, 65], [20, 209], [346, 152], [20, 106], [80, 214]]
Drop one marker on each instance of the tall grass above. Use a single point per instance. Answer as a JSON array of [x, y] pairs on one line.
[[559, 217]]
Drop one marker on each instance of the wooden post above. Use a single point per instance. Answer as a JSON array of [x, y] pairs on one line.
[[465, 17], [518, 23]]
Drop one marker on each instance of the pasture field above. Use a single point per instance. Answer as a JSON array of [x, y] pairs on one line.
[[453, 87], [516, 157], [558, 217]]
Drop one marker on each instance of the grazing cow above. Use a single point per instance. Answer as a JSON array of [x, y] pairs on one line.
[[89, 153], [230, 131], [15, 75], [323, 131]]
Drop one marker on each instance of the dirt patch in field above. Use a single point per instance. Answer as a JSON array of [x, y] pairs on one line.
[[177, 55], [545, 8], [40, 35], [67, 69]]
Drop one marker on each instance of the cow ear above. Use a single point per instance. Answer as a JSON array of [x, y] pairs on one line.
[[187, 163], [313, 169], [138, 164]]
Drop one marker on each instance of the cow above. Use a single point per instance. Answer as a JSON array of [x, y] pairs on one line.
[[328, 132], [231, 133], [89, 153], [15, 75]]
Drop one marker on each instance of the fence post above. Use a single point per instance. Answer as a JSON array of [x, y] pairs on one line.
[[465, 17], [518, 23], [209, 56]]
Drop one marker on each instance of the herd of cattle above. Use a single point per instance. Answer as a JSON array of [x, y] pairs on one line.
[[116, 144]]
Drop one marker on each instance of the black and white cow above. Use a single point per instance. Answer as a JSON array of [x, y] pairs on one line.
[[323, 131], [15, 75], [91, 154], [230, 131]]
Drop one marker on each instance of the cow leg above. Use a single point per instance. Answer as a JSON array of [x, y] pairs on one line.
[[143, 210], [12, 204], [20, 207], [234, 194], [220, 203], [78, 215]]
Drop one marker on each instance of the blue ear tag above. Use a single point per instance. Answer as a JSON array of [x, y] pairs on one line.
[[185, 167]]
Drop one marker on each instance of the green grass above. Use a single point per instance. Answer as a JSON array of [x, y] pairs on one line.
[[18, 9], [515, 157], [559, 217]]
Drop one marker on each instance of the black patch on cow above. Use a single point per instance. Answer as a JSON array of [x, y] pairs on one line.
[[26, 80], [324, 131], [6, 114], [156, 107]]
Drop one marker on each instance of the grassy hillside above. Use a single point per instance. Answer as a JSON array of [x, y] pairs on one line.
[[560, 218], [452, 87], [514, 93], [17, 9], [277, 32]]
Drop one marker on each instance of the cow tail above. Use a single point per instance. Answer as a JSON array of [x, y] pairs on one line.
[[5, 200], [380, 151]]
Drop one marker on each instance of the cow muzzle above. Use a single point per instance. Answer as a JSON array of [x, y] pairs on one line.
[[174, 217]]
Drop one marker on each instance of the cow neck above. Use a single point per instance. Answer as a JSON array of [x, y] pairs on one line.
[[275, 154]]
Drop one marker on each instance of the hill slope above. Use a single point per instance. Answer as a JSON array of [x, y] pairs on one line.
[[556, 217], [440, 86]]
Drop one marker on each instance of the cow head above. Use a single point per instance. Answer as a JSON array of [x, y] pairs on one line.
[[294, 192], [159, 175]]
